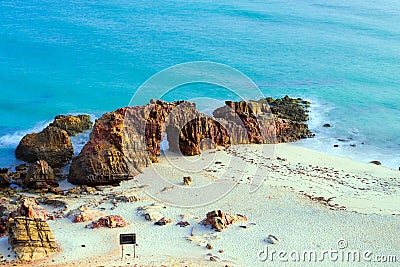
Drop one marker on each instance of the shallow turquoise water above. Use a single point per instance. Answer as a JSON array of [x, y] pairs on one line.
[[90, 56]]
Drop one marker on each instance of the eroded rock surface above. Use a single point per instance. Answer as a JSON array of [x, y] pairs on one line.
[[73, 125], [31, 238], [52, 145], [220, 220], [40, 175]]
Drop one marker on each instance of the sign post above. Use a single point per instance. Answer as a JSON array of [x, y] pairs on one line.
[[128, 239]]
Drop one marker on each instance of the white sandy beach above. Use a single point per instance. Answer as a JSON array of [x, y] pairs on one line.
[[309, 200]]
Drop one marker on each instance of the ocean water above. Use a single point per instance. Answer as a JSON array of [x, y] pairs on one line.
[[59, 57]]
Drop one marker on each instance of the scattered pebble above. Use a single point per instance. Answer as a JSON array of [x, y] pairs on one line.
[[271, 239]]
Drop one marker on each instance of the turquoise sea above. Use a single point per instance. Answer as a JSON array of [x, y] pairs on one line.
[[59, 57]]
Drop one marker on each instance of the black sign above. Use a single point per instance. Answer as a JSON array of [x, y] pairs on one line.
[[127, 239]]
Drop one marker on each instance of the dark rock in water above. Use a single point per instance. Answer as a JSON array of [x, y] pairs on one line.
[[52, 145], [326, 125], [376, 162], [353, 145], [40, 175], [73, 125], [4, 179], [31, 238], [21, 167]]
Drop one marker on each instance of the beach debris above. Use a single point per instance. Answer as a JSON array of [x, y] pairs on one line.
[[221, 251], [214, 258], [187, 180], [83, 214], [376, 162], [52, 145], [40, 175], [127, 199], [183, 223], [219, 220], [209, 246], [73, 125], [110, 221], [31, 238], [326, 125], [271, 239], [150, 213], [335, 145], [163, 221]]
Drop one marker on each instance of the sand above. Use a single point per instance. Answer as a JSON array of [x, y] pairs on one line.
[[309, 201]]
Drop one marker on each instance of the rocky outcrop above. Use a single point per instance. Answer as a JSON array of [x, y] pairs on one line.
[[110, 221], [73, 125], [200, 134], [115, 151], [267, 120], [219, 220], [52, 145], [4, 178], [125, 141], [40, 175], [28, 207], [83, 214], [31, 238]]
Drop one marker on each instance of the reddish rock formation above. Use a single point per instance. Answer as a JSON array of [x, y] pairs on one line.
[[83, 214], [125, 141], [73, 125], [52, 145], [220, 220], [40, 175], [110, 221]]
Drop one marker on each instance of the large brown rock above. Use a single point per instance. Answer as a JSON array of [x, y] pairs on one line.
[[73, 125], [52, 145], [267, 120], [125, 141], [40, 175], [31, 238]]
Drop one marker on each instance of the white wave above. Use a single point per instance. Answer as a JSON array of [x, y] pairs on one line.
[[12, 140]]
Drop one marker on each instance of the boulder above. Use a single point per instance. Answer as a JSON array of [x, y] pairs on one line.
[[31, 238], [83, 214], [219, 220], [52, 145], [28, 207], [40, 175], [73, 125], [110, 221]]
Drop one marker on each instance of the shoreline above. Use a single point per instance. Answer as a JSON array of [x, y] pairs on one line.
[[277, 207]]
